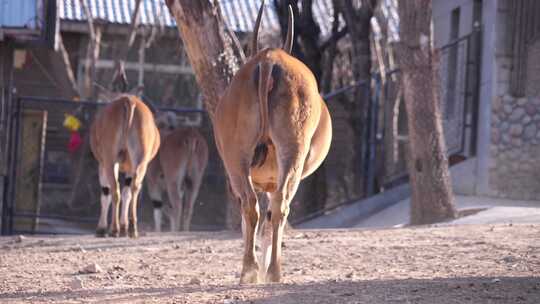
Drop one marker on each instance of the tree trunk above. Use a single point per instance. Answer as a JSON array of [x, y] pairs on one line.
[[209, 47], [358, 20], [432, 199]]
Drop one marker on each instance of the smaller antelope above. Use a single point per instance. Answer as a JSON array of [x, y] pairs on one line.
[[123, 137], [178, 169]]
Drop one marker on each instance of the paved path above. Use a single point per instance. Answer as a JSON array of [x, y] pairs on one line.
[[497, 211]]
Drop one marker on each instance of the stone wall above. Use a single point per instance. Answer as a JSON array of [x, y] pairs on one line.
[[514, 166], [515, 147]]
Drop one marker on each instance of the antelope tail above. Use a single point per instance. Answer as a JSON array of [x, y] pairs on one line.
[[265, 85], [193, 143], [129, 107]]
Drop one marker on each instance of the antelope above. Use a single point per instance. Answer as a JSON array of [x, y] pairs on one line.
[[178, 169], [123, 137], [272, 129]]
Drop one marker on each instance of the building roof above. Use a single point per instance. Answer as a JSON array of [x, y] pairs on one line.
[[239, 15]]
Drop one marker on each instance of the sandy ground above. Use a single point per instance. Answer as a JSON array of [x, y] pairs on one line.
[[460, 264]]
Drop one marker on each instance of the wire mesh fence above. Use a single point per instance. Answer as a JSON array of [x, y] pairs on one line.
[[55, 188]]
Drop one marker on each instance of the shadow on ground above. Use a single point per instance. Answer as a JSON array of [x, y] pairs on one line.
[[436, 291]]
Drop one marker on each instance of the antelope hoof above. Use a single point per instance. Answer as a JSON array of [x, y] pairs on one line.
[[123, 231], [133, 231], [273, 275], [101, 232], [273, 278], [133, 234], [114, 233], [250, 276]]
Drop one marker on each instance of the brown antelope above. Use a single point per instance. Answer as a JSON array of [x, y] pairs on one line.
[[272, 129], [178, 169], [123, 137]]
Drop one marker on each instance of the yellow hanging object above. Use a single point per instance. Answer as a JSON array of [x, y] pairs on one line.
[[71, 122]]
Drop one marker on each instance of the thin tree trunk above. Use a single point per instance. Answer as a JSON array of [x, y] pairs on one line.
[[432, 199], [71, 87], [87, 92], [92, 53], [358, 20], [120, 82]]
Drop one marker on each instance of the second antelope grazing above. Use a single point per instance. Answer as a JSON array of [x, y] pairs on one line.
[[272, 129], [178, 169], [123, 137]]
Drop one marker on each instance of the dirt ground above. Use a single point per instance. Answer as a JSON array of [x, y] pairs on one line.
[[462, 264]]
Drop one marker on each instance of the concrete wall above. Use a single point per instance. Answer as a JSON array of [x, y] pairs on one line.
[[465, 176], [533, 69], [442, 13]]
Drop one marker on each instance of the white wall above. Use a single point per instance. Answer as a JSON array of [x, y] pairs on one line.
[[473, 177], [442, 12]]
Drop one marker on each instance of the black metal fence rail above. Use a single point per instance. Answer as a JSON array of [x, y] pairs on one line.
[[466, 49]]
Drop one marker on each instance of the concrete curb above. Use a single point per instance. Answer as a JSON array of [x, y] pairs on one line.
[[348, 215]]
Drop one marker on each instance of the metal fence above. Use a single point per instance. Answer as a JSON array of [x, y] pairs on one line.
[[53, 190], [385, 137]]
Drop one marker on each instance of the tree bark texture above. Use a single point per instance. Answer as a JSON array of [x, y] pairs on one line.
[[432, 198], [358, 20], [209, 47]]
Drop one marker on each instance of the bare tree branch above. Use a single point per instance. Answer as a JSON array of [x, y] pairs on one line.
[[330, 46], [92, 52], [67, 66], [334, 38], [120, 82]]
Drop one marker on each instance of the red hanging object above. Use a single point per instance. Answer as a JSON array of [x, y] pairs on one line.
[[75, 142]]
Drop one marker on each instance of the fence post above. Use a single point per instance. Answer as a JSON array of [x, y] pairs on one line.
[[13, 143], [364, 134], [475, 51], [372, 125]]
